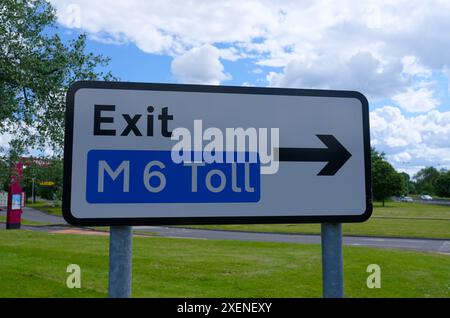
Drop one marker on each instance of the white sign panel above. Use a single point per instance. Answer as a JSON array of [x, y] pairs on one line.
[[189, 154], [16, 200]]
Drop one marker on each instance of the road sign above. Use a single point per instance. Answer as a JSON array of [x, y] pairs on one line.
[[138, 154], [47, 183]]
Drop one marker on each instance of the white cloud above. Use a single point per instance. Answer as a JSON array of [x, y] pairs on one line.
[[161, 26], [414, 141], [415, 100], [389, 128], [256, 70], [402, 157], [200, 66], [5, 139], [231, 54], [361, 71], [411, 66], [363, 45], [446, 72]]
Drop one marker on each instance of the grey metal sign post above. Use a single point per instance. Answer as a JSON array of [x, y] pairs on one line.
[[332, 260], [120, 261], [158, 154]]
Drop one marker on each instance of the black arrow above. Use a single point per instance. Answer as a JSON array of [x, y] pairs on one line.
[[335, 154]]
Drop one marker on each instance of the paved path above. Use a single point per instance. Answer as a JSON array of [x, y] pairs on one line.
[[38, 216], [430, 245]]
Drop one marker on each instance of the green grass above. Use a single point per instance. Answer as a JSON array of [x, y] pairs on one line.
[[34, 265], [411, 210], [396, 219]]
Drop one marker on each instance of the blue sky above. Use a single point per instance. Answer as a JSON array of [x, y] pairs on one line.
[[395, 52]]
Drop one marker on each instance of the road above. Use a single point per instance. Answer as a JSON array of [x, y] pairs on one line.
[[428, 245], [434, 201], [38, 216]]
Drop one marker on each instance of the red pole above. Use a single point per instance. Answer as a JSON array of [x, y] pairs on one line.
[[14, 209]]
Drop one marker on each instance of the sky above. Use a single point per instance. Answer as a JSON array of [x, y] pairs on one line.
[[394, 52]]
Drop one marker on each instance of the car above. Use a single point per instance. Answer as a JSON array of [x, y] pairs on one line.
[[406, 199], [426, 197]]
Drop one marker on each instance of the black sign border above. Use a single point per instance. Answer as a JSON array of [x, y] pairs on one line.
[[68, 151]]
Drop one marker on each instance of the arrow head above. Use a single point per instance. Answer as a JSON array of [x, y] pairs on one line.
[[336, 153]]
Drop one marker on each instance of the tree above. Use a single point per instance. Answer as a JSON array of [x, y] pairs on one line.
[[376, 155], [407, 182], [412, 188], [426, 180], [442, 184], [8, 160], [36, 69], [385, 180], [38, 170], [4, 174]]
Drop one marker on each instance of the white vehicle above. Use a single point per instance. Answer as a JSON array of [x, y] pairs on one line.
[[426, 197], [406, 199]]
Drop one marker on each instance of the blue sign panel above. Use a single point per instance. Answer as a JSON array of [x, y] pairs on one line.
[[141, 176]]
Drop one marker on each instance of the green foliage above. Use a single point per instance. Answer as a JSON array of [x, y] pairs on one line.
[[41, 170], [386, 181], [8, 159], [4, 173], [426, 180], [376, 155], [411, 188], [407, 182], [36, 68], [442, 184]]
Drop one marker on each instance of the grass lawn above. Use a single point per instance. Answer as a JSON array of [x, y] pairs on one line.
[[34, 265], [396, 219], [395, 209]]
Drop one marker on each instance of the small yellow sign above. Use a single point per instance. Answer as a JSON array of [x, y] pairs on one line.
[[47, 183]]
